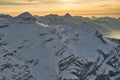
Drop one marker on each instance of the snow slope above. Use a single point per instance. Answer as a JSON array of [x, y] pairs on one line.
[[109, 23], [61, 49], [109, 26]]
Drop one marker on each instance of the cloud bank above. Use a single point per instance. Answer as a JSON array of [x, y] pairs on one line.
[[76, 7]]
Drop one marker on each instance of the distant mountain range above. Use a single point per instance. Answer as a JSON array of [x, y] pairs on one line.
[[57, 48], [106, 25]]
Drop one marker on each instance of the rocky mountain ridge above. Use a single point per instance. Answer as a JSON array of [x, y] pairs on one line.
[[34, 50]]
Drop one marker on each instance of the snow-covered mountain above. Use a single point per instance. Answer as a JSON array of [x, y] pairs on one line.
[[56, 48], [5, 16], [108, 23], [109, 26]]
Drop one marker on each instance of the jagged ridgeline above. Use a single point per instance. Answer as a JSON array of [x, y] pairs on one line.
[[56, 48]]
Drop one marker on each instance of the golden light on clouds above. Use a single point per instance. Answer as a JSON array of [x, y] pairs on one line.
[[75, 7], [67, 1]]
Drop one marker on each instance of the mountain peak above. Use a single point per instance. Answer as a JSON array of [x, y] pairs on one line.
[[5, 16], [25, 15], [67, 15]]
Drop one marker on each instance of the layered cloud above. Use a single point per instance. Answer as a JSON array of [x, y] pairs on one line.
[[54, 1], [76, 7]]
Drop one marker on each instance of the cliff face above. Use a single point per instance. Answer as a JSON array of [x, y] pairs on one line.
[[46, 50]]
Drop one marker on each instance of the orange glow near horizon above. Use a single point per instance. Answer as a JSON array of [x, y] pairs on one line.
[[75, 7]]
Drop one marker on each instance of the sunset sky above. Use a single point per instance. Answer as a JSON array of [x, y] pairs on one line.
[[74, 7]]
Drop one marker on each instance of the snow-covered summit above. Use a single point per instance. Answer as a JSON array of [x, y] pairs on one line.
[[66, 51], [67, 15], [5, 16], [25, 17]]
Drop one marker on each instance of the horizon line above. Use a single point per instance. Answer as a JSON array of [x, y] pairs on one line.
[[13, 14]]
